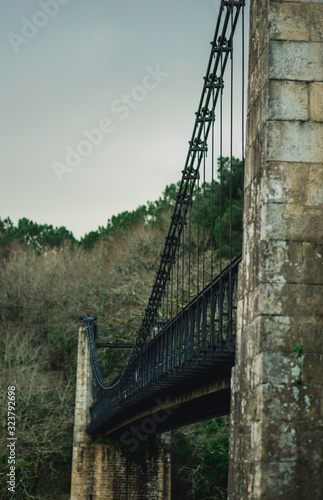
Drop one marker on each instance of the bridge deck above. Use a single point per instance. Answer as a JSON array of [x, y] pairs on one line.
[[198, 388]]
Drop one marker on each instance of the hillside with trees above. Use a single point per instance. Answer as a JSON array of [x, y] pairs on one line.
[[47, 280]]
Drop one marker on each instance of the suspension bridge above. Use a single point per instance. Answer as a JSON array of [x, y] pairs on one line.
[[182, 344], [218, 331]]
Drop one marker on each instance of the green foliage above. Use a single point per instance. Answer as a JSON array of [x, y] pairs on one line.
[[200, 461], [62, 347], [298, 349], [116, 225], [219, 199], [38, 236], [43, 412], [89, 240], [126, 220], [7, 231]]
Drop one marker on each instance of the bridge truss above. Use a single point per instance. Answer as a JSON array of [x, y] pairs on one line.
[[187, 335]]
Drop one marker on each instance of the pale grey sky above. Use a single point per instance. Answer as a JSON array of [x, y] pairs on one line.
[[132, 69]]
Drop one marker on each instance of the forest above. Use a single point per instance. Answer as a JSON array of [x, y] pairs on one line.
[[48, 279]]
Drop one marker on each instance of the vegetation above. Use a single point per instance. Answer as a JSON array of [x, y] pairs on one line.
[[48, 279], [41, 297], [38, 236], [200, 460]]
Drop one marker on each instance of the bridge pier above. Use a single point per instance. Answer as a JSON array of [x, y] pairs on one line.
[[276, 448], [100, 470]]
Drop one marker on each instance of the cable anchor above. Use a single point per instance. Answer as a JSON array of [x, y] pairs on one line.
[[233, 3], [222, 45], [205, 115], [198, 145]]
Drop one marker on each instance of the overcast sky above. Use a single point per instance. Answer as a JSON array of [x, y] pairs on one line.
[[97, 104]]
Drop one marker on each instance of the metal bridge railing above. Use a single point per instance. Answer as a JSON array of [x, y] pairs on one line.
[[191, 315]]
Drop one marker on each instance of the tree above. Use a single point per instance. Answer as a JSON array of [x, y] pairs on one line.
[[38, 236], [200, 460], [212, 207]]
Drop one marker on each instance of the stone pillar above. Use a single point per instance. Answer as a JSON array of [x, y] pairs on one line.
[[276, 442], [82, 478], [100, 471]]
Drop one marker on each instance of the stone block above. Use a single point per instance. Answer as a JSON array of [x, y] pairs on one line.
[[258, 11], [283, 447], [281, 261], [313, 263], [278, 334], [253, 51], [310, 443], [309, 479], [259, 41], [239, 343], [288, 401], [288, 22], [239, 314], [249, 251], [257, 152], [248, 173], [316, 101], [315, 188], [287, 100], [252, 334], [304, 222], [286, 182], [257, 79], [281, 370], [310, 334], [241, 486], [295, 141], [250, 201], [282, 299], [257, 116], [292, 480], [316, 24], [282, 333], [241, 280], [245, 375], [277, 480], [252, 276], [291, 222], [313, 369], [241, 442], [295, 61]]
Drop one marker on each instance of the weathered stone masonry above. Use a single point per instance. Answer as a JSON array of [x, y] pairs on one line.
[[276, 448], [100, 471]]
